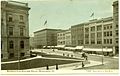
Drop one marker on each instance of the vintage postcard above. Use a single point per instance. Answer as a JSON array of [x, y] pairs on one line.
[[59, 37]]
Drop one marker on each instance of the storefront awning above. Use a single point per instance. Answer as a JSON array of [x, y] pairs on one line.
[[70, 48], [98, 50], [79, 47], [60, 46]]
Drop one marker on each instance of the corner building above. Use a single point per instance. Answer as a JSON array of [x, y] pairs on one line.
[[116, 26], [14, 29]]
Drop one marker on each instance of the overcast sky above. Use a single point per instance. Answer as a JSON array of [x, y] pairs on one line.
[[62, 14]]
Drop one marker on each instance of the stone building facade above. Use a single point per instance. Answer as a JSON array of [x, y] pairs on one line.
[[46, 37], [116, 24], [64, 37], [77, 35], [14, 29]]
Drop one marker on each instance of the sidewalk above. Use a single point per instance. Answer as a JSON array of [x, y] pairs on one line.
[[71, 66]]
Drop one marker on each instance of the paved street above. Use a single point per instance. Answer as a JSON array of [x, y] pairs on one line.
[[109, 62]]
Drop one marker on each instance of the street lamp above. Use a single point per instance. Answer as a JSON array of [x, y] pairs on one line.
[[102, 54]]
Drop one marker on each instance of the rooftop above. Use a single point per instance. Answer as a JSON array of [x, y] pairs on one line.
[[47, 30]]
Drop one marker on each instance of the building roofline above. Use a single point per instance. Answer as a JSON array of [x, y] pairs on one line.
[[93, 21], [47, 30]]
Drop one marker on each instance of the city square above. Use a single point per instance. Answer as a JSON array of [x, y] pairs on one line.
[[49, 35]]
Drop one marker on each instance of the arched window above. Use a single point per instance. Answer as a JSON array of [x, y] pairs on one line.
[[21, 44], [11, 45]]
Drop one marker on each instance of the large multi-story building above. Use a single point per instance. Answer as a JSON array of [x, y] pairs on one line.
[[64, 37], [68, 37], [46, 37], [61, 37], [77, 35], [99, 33], [116, 26], [14, 29]]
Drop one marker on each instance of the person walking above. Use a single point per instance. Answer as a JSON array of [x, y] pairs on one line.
[[83, 64]]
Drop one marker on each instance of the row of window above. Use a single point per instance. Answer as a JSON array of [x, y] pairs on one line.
[[10, 18], [99, 41], [108, 26], [99, 34], [107, 33], [11, 44], [107, 41], [11, 29], [61, 34], [99, 28], [11, 55], [61, 42]]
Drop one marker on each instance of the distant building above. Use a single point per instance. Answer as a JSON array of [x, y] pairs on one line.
[[46, 37], [32, 43], [68, 37], [77, 35], [64, 37], [61, 37], [99, 33], [116, 26], [14, 29]]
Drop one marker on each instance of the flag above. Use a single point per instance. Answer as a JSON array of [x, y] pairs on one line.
[[45, 22], [92, 14]]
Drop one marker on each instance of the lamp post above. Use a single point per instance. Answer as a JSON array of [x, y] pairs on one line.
[[102, 54]]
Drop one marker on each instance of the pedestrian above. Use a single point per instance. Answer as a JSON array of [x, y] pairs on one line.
[[56, 66], [53, 50], [47, 67], [83, 64], [63, 54]]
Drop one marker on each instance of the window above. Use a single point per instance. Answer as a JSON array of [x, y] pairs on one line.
[[116, 40], [86, 35], [93, 41], [116, 26], [110, 33], [11, 55], [104, 41], [110, 41], [11, 45], [116, 32], [22, 44], [99, 34], [104, 27], [104, 34], [107, 26], [10, 19], [21, 31], [22, 54], [99, 28], [1, 55], [21, 17], [92, 35], [10, 30], [99, 41], [1, 45], [110, 26], [107, 33], [87, 29], [93, 28], [87, 41], [107, 41]]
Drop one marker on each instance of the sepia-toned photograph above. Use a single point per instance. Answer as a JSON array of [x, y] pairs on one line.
[[59, 37]]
